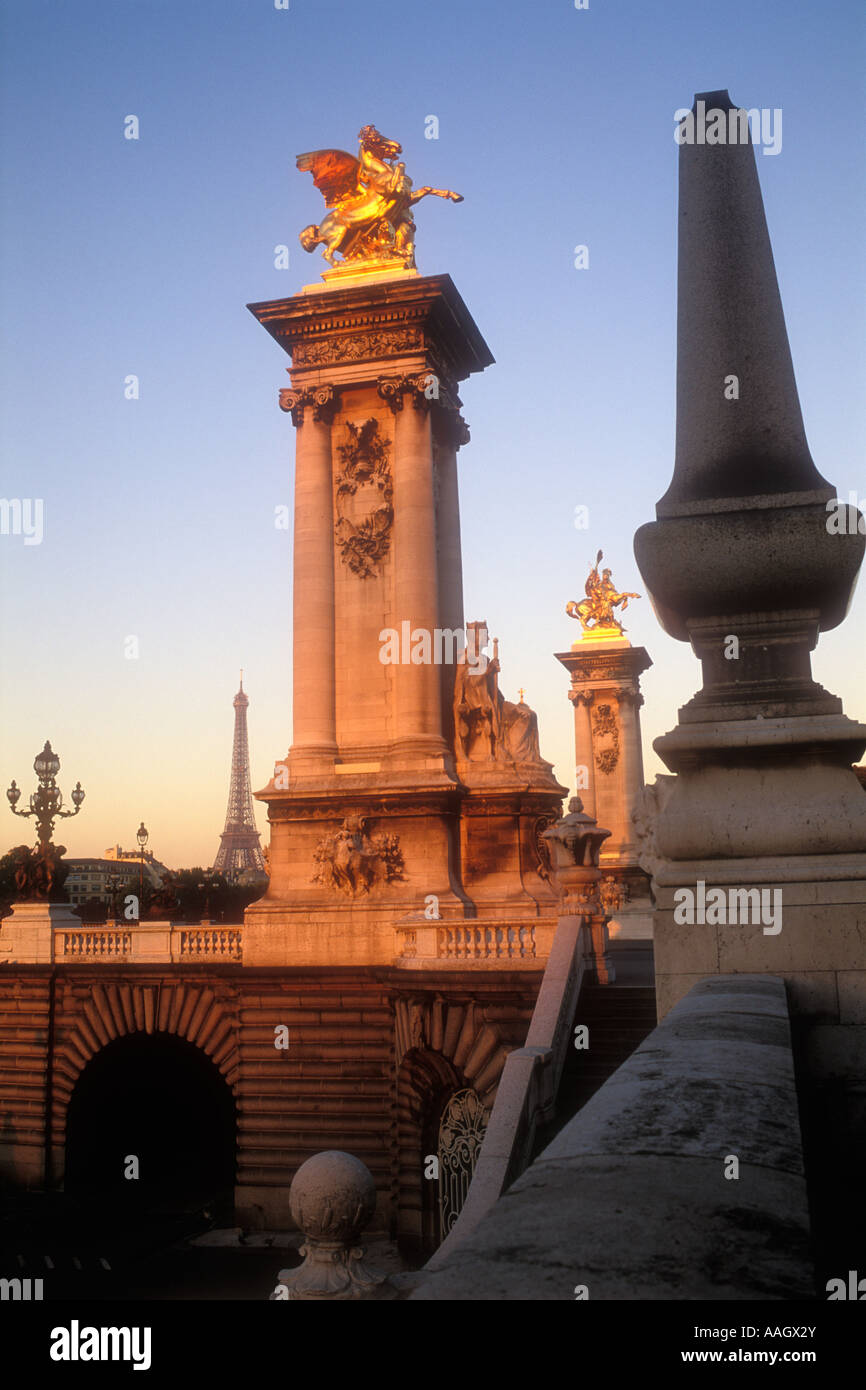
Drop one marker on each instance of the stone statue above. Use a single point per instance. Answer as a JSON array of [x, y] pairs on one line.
[[596, 610], [164, 901], [370, 201], [352, 862], [39, 873], [487, 727]]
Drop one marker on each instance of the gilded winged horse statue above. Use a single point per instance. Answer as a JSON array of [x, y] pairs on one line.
[[369, 200]]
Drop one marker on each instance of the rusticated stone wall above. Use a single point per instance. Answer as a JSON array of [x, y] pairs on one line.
[[363, 1046]]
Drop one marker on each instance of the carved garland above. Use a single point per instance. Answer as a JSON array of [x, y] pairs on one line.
[[605, 728], [357, 347], [364, 499]]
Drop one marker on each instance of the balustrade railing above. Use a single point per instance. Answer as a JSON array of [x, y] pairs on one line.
[[148, 942], [94, 943], [478, 943]]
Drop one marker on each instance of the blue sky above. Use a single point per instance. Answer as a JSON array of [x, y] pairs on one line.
[[121, 257]]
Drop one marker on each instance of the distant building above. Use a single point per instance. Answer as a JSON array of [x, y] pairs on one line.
[[91, 879]]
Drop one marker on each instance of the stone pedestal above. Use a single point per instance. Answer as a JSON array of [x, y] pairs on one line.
[[368, 811], [760, 838], [605, 692], [27, 934], [742, 564]]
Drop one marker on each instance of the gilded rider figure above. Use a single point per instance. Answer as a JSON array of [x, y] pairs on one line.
[[369, 198], [596, 611]]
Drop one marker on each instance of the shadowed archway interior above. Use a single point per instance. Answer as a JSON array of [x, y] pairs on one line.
[[162, 1100]]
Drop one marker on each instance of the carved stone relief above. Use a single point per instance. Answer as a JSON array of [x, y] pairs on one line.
[[364, 499], [357, 347], [605, 738], [352, 862]]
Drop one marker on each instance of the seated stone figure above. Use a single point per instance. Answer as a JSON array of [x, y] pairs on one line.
[[489, 728]]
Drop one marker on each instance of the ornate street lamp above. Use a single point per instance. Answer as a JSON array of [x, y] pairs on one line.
[[142, 837], [207, 886], [114, 883], [47, 801]]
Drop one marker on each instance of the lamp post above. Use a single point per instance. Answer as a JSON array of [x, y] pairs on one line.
[[47, 801], [207, 885], [141, 836], [114, 884]]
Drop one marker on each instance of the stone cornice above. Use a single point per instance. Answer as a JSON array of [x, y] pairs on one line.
[[622, 667], [366, 323]]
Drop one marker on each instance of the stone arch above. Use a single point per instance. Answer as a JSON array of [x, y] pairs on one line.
[[115, 1009], [426, 1082], [442, 1046], [160, 1100]]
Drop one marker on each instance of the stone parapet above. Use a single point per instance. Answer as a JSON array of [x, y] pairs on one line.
[[632, 1200], [40, 933]]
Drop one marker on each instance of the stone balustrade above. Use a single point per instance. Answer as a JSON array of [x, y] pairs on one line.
[[488, 943], [150, 942], [40, 932]]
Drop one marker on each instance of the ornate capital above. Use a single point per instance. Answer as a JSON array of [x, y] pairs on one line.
[[581, 697], [627, 695], [391, 390], [429, 389], [324, 401], [293, 402]]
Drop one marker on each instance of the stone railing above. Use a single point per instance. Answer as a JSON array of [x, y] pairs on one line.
[[530, 1081], [630, 1201], [487, 943], [147, 943], [92, 943], [208, 943]]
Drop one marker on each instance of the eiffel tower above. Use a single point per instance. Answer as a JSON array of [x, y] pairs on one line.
[[239, 843]]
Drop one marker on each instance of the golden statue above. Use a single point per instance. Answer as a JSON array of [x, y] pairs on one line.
[[601, 599], [370, 200]]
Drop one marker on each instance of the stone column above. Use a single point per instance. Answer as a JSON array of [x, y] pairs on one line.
[[629, 701], [606, 671], [418, 706], [449, 432], [583, 755], [313, 717]]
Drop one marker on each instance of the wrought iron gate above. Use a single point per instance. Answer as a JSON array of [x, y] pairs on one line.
[[461, 1131]]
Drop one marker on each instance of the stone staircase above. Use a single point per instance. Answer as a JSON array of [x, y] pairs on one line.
[[619, 1017]]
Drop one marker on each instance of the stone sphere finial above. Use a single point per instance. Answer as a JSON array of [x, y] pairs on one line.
[[332, 1198]]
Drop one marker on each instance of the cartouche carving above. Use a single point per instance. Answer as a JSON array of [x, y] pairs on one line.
[[606, 738], [364, 499]]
